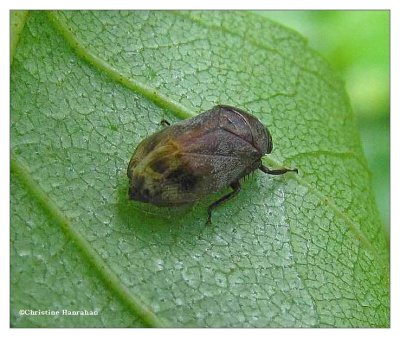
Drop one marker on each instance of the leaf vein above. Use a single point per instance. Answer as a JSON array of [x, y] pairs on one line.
[[260, 45], [353, 226], [133, 301], [150, 93]]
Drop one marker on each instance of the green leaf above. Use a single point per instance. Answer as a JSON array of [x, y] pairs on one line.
[[302, 250]]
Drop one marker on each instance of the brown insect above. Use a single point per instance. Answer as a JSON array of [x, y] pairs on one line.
[[193, 158]]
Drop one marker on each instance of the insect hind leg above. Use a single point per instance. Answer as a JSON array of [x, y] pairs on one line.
[[236, 188]]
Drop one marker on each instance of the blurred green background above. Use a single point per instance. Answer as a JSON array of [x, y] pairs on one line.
[[356, 44]]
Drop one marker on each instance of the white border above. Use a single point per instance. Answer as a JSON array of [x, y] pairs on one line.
[[393, 5]]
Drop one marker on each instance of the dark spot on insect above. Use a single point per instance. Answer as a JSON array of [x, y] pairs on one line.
[[159, 166], [138, 182], [136, 187], [186, 180], [175, 175]]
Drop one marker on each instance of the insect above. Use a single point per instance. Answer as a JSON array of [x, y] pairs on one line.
[[188, 160]]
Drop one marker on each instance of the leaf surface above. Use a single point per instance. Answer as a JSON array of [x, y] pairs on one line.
[[291, 251]]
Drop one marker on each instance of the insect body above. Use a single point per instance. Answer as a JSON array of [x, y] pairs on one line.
[[193, 158]]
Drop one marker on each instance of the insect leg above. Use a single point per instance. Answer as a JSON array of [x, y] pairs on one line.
[[276, 171], [165, 123], [236, 188]]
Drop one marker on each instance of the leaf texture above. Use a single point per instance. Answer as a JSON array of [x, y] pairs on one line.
[[303, 250]]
